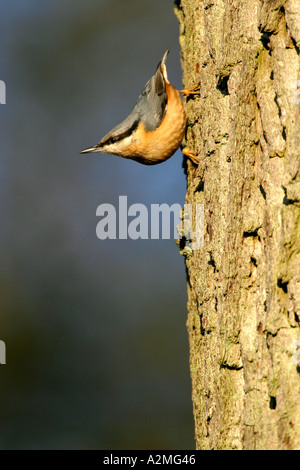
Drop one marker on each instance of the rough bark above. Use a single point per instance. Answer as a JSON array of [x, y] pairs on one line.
[[243, 285]]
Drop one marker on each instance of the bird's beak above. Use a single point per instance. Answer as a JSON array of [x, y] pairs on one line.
[[91, 150], [164, 57], [163, 66]]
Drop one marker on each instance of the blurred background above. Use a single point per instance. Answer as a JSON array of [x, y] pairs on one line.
[[97, 348]]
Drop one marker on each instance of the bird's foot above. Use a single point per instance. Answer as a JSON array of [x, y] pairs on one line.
[[191, 91], [191, 155]]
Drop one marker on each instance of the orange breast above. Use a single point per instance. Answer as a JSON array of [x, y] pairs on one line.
[[159, 145]]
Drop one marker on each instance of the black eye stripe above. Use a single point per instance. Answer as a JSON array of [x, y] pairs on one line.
[[119, 137]]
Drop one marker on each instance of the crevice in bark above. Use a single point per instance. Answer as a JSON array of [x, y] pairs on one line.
[[253, 234], [200, 187], [202, 329], [286, 201], [224, 365], [272, 403], [295, 45], [212, 263], [263, 192], [265, 40], [282, 285], [222, 85]]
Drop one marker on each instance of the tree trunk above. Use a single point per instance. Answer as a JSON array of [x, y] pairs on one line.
[[243, 285]]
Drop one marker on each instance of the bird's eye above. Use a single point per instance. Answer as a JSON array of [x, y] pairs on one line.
[[112, 140]]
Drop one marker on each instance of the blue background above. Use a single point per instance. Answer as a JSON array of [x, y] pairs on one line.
[[97, 348]]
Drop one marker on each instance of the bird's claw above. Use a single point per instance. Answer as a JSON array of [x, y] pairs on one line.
[[191, 91], [191, 155]]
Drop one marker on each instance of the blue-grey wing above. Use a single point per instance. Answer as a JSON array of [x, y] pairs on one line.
[[152, 102], [149, 109]]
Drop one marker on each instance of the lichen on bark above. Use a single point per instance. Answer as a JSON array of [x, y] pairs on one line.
[[244, 284]]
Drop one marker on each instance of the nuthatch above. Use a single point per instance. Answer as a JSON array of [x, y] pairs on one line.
[[154, 129]]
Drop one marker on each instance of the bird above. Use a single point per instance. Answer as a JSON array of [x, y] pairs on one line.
[[155, 127]]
